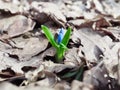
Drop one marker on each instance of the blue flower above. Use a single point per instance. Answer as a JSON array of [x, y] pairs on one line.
[[60, 35]]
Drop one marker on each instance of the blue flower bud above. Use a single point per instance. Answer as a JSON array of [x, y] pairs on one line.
[[60, 35]]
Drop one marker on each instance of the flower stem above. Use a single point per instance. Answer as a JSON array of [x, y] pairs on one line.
[[60, 55]]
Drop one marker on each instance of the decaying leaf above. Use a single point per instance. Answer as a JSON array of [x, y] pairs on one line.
[[35, 45], [45, 11], [99, 78], [52, 67], [15, 25], [28, 61], [111, 60], [91, 49], [49, 81], [81, 23], [72, 57], [101, 23]]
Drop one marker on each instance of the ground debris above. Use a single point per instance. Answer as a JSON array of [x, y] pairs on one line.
[[91, 62]]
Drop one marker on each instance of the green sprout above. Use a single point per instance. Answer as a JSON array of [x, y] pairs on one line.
[[60, 44]]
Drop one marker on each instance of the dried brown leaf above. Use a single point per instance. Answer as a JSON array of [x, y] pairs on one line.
[[90, 49], [72, 57], [46, 11], [99, 77], [15, 25]]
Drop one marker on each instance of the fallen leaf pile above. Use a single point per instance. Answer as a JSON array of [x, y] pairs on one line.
[[27, 60]]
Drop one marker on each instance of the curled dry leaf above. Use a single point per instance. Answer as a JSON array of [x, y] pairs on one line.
[[42, 77], [6, 61], [101, 23], [94, 46], [72, 57], [32, 76], [107, 7], [98, 76], [9, 62], [48, 54], [96, 23], [36, 45], [91, 49], [81, 23], [46, 11], [49, 81], [21, 55], [15, 25], [53, 67], [111, 61]]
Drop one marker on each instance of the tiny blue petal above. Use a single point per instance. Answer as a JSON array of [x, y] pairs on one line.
[[60, 35]]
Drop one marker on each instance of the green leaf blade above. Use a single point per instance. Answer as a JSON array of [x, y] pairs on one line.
[[69, 74], [66, 38], [49, 36]]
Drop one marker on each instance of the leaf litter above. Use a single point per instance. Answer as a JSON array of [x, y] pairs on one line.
[[28, 61]]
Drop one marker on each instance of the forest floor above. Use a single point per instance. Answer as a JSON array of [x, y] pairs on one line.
[[27, 59]]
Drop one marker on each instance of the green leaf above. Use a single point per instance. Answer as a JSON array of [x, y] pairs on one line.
[[79, 74], [66, 37], [69, 74], [49, 36], [63, 46], [59, 54]]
